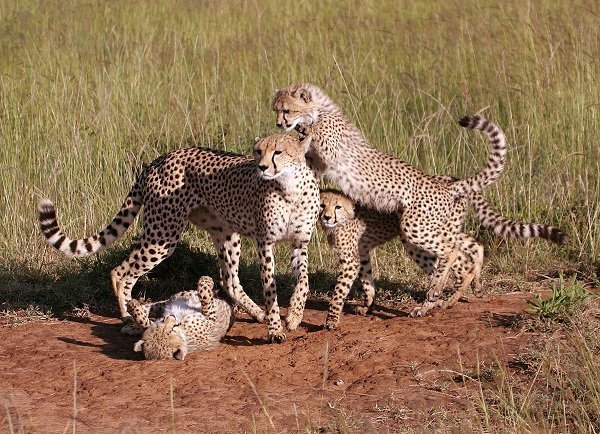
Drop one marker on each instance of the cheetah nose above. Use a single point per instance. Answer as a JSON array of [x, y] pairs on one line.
[[326, 217], [263, 167], [279, 125]]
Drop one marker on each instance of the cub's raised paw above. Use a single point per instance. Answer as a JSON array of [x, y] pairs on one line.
[[132, 329]]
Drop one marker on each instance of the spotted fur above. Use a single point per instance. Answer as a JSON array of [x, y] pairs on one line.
[[430, 211], [189, 321], [269, 198]]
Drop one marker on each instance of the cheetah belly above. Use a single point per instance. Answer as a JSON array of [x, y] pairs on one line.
[[183, 307]]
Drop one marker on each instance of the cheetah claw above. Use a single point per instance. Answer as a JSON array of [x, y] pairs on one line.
[[276, 338]]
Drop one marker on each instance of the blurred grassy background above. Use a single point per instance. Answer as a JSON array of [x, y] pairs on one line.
[[91, 90]]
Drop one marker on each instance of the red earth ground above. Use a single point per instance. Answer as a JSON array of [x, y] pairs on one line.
[[387, 371]]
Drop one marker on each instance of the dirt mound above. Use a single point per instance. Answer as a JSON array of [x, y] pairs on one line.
[[385, 370]]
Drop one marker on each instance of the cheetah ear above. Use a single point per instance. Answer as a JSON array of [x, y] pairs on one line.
[[138, 346], [305, 95], [256, 139], [305, 143]]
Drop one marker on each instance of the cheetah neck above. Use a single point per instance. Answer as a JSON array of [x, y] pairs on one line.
[[291, 182]]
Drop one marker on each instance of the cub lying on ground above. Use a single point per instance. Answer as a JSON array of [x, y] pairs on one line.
[[187, 322]]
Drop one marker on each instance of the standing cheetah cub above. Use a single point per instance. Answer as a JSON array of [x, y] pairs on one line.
[[428, 210], [354, 231], [189, 321], [270, 197]]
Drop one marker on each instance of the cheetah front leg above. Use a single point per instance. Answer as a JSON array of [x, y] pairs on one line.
[[299, 262], [267, 276], [347, 273]]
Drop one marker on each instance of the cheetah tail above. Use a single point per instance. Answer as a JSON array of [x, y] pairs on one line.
[[56, 237], [491, 220], [496, 157]]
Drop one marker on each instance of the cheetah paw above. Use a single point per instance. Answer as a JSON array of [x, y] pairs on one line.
[[292, 322], [331, 323], [276, 338], [361, 310], [419, 311], [132, 329], [259, 317]]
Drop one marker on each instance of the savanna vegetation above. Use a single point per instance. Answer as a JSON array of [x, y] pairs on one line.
[[89, 91]]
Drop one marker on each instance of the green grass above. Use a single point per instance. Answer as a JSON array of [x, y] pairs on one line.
[[89, 92]]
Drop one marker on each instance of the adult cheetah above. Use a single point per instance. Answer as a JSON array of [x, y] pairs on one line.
[[187, 322], [428, 210], [270, 197], [353, 231]]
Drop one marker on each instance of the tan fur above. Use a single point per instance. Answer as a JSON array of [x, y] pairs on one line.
[[269, 198]]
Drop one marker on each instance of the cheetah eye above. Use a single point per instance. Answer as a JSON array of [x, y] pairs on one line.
[[285, 111], [338, 207], [277, 152], [322, 206]]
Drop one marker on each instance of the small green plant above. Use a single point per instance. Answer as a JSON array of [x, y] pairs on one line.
[[565, 295]]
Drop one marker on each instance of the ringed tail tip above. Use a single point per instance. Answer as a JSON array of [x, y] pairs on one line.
[[468, 121]]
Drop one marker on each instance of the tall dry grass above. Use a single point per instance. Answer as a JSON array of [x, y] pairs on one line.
[[89, 91]]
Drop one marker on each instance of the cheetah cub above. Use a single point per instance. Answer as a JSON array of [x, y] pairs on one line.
[[269, 197], [187, 322], [429, 211], [354, 231]]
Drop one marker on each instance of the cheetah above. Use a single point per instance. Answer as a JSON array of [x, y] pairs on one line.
[[187, 322], [269, 197], [429, 211], [353, 231]]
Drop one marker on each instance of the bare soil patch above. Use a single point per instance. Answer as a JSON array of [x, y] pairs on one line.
[[380, 371]]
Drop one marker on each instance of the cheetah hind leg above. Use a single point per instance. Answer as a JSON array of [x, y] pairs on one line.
[[438, 282]]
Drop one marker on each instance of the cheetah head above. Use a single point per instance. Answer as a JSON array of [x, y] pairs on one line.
[[163, 341], [294, 106], [336, 209], [279, 154]]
